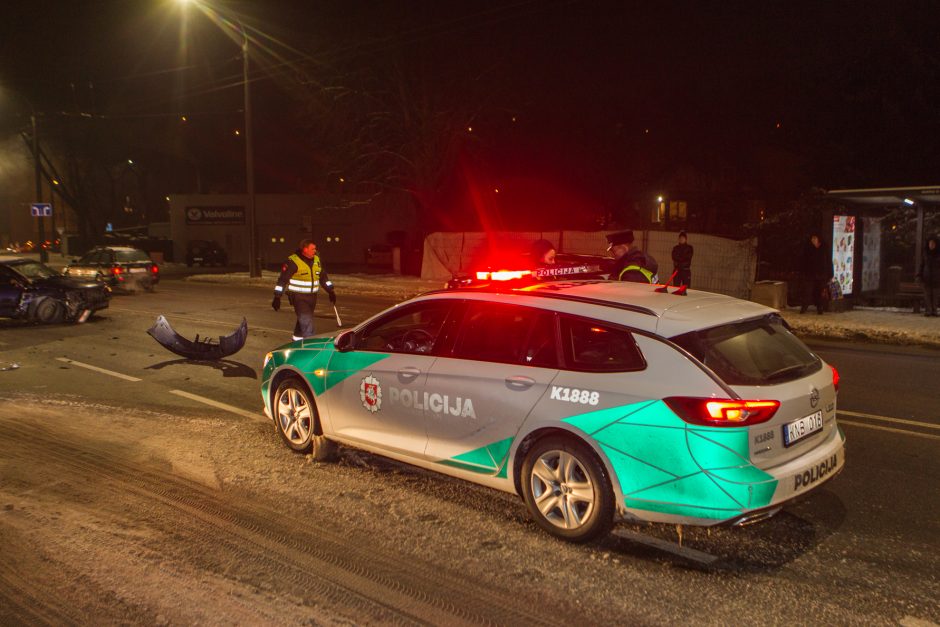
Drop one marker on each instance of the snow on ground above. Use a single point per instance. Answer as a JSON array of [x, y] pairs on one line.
[[887, 325]]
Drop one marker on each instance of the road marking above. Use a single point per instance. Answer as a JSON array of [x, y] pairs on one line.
[[97, 369], [218, 405], [891, 429], [669, 547], [900, 421]]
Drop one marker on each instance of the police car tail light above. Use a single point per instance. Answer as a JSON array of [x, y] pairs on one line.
[[719, 412], [835, 378], [502, 275], [154, 268]]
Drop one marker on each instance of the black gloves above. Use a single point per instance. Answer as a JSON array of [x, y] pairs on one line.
[[276, 303], [332, 296]]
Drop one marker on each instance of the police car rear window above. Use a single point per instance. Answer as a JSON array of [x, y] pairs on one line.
[[753, 352], [591, 346]]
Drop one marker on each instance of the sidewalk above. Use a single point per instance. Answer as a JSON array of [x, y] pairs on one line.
[[883, 325]]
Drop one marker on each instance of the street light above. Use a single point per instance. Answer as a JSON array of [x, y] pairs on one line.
[[254, 269]]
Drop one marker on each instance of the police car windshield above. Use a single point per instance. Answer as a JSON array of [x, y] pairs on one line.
[[753, 352]]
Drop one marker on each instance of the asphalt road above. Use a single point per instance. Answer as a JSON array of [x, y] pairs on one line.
[[121, 465]]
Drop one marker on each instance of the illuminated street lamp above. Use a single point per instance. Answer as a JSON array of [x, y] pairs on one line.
[[254, 268]]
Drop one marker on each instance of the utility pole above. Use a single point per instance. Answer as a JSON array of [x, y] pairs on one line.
[[254, 269], [43, 254]]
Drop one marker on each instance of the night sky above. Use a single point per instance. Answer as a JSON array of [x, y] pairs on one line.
[[596, 103]]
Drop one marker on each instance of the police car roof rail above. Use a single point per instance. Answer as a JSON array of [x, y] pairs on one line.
[[554, 295]]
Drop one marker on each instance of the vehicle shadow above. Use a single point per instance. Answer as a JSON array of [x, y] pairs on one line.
[[765, 546], [230, 369]]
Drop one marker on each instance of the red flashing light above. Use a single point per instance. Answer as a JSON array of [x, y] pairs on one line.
[[835, 378], [722, 412], [502, 275]]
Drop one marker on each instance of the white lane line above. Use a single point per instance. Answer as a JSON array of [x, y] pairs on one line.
[[669, 547], [891, 429], [72, 362], [218, 405], [900, 421]]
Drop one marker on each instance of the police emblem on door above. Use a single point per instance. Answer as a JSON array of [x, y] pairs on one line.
[[370, 393]]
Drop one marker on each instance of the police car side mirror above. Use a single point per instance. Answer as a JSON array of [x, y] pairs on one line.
[[344, 341]]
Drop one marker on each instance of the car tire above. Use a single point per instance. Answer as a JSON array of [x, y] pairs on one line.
[[567, 490], [297, 420], [48, 311]]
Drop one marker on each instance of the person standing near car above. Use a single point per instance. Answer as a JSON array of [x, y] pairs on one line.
[[302, 276], [682, 261], [929, 276], [817, 272], [630, 264]]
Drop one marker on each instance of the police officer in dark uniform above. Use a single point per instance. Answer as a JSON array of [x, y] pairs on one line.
[[630, 264], [302, 277]]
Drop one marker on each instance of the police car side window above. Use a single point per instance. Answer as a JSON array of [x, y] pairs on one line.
[[593, 346], [507, 334], [414, 329]]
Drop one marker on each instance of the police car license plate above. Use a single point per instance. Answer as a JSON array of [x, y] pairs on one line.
[[138, 269], [795, 431]]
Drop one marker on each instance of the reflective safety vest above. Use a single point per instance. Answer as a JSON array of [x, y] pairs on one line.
[[650, 277], [307, 278]]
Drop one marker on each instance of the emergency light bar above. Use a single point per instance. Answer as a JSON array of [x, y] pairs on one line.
[[502, 275]]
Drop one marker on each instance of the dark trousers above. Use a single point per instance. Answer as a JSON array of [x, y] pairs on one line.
[[304, 304], [813, 294], [930, 299], [683, 277]]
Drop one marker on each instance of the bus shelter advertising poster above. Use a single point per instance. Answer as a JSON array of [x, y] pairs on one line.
[[843, 247]]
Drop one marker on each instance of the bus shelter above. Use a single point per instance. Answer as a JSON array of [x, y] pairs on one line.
[[858, 231]]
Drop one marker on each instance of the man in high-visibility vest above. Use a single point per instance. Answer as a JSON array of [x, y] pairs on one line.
[[302, 276], [630, 264]]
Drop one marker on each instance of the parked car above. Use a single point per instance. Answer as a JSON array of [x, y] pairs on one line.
[[591, 400], [205, 253], [120, 267], [33, 291]]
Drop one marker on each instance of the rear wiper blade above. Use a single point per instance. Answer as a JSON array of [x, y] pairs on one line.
[[779, 374]]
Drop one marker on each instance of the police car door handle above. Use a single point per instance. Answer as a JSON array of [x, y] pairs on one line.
[[519, 382], [408, 373]]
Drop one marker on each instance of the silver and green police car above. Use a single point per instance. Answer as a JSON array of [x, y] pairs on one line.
[[592, 400]]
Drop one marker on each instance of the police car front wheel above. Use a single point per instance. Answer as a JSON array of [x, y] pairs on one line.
[[566, 490], [295, 415]]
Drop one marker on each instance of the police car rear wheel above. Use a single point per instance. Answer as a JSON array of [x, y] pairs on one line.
[[296, 419], [566, 490]]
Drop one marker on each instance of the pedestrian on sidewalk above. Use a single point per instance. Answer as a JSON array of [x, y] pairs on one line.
[[302, 276], [929, 276], [816, 271], [682, 261]]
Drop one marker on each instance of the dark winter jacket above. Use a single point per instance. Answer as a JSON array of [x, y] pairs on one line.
[[634, 258], [816, 263], [930, 263], [682, 256]]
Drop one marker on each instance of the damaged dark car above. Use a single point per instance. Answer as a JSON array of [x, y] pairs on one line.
[[34, 292]]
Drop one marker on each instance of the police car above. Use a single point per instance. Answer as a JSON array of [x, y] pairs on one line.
[[592, 400]]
